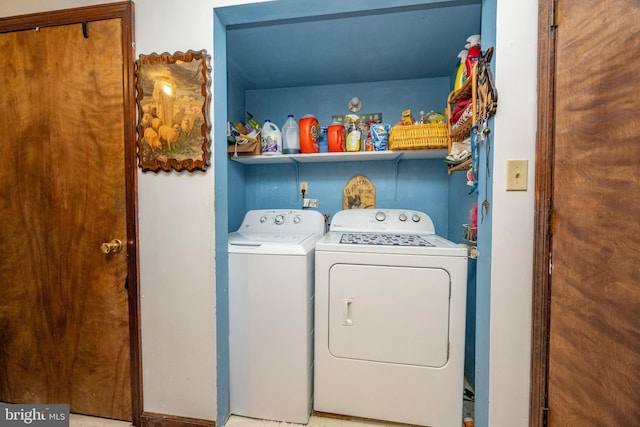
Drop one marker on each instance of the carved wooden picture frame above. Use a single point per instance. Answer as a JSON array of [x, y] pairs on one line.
[[173, 99]]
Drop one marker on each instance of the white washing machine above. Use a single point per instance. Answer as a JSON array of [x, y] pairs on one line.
[[390, 319], [271, 272]]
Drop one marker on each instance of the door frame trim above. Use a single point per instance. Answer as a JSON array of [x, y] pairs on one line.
[[124, 11], [545, 141]]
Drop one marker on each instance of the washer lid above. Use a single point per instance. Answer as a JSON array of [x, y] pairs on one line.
[[278, 232], [272, 243], [282, 221]]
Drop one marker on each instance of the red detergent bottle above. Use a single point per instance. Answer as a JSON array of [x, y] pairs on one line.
[[473, 45], [309, 130]]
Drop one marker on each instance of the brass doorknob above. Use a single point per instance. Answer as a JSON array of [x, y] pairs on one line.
[[113, 246]]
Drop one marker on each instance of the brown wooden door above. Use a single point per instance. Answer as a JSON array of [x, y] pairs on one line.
[[594, 328], [64, 310]]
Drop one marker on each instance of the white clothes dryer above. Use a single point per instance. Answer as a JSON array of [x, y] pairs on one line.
[[390, 319], [271, 272]]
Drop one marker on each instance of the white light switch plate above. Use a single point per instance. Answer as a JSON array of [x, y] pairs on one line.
[[517, 175]]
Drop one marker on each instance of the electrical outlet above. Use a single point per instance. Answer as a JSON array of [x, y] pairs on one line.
[[517, 175], [304, 186]]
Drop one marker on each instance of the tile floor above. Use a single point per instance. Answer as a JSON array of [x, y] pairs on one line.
[[76, 420], [314, 421], [236, 421]]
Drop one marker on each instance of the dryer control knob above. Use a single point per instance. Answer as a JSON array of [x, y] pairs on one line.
[[279, 219], [380, 216], [402, 217], [263, 219], [296, 220], [415, 218]]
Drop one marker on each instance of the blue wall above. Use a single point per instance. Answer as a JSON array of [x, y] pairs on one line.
[[461, 198], [221, 219], [412, 184], [419, 184], [389, 98], [483, 296]]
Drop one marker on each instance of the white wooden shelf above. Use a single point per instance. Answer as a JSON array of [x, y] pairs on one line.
[[359, 156]]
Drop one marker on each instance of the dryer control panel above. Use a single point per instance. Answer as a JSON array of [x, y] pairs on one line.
[[401, 221], [283, 221]]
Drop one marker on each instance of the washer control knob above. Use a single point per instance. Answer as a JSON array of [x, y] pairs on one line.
[[263, 219], [415, 218], [380, 216], [296, 220], [279, 219], [402, 217]]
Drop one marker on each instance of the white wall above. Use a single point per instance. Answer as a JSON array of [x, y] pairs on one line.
[[177, 272], [177, 229], [513, 214], [177, 275], [177, 242], [10, 8]]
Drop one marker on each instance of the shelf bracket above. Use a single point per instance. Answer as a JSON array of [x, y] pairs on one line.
[[396, 163], [296, 165]]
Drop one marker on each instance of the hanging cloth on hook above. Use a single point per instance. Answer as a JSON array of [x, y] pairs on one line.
[[487, 91], [475, 153], [487, 108]]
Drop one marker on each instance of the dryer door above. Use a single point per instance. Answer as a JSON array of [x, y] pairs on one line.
[[389, 314]]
